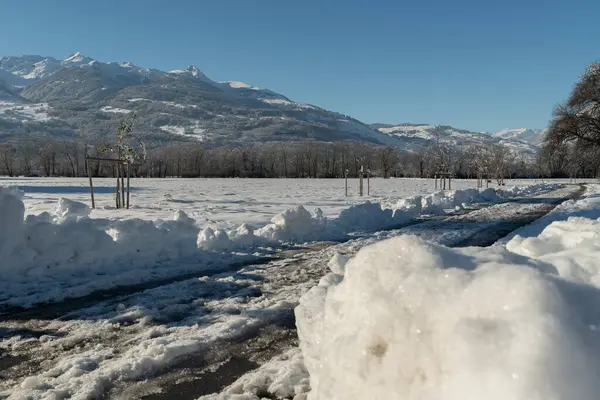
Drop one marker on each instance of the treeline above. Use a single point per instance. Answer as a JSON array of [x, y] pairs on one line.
[[309, 159]]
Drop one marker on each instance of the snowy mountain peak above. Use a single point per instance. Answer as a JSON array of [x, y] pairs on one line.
[[191, 70], [194, 71], [74, 58], [77, 59], [127, 64]]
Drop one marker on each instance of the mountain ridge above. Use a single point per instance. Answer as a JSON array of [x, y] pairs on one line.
[[81, 96]]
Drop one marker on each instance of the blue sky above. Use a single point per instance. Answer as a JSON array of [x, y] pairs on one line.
[[480, 65]]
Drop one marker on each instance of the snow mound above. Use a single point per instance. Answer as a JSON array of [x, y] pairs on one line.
[[294, 224], [69, 210], [412, 320], [571, 246], [68, 242], [362, 217], [212, 240]]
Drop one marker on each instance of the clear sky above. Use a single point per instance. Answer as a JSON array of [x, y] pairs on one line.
[[475, 64]]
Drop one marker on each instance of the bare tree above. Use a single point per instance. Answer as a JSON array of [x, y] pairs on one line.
[[578, 119], [387, 158], [8, 158], [48, 152], [72, 150]]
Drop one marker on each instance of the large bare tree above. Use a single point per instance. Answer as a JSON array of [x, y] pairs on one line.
[[578, 119]]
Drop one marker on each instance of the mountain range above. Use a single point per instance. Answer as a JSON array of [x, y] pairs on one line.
[[81, 96]]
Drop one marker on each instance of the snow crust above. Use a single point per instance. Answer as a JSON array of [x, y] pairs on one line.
[[409, 319]]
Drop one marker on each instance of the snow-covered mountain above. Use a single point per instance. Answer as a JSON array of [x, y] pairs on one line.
[[81, 96], [532, 136], [416, 136], [34, 68]]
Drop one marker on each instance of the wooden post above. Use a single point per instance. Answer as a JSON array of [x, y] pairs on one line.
[[128, 178], [360, 181], [346, 176], [435, 178], [89, 171], [118, 197], [449, 182], [368, 182], [121, 166]]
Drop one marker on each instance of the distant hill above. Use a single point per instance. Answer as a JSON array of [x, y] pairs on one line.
[[532, 136], [415, 136]]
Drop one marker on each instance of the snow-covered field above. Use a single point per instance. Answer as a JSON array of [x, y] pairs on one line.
[[224, 203]]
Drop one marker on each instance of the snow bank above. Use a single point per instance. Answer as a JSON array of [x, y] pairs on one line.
[[569, 239], [67, 243], [297, 225], [412, 320], [42, 254]]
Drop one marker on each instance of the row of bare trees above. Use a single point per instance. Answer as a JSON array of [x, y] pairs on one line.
[[310, 159]]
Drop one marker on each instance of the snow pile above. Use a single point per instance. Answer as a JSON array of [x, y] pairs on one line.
[[294, 225], [411, 320], [69, 210], [297, 225], [568, 238], [68, 241], [212, 240], [362, 217]]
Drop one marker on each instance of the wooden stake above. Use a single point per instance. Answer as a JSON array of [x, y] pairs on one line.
[[89, 171], [118, 198], [360, 181], [128, 177], [346, 176], [122, 174]]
